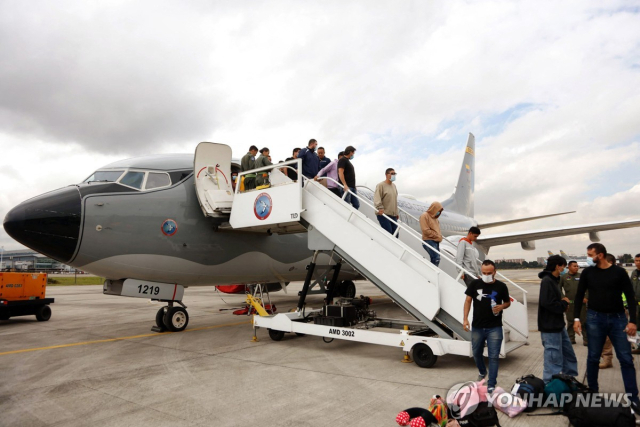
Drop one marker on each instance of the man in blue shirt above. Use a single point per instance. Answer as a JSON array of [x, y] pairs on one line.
[[310, 160], [324, 160]]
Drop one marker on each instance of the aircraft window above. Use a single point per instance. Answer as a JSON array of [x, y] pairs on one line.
[[157, 180], [104, 176], [133, 179], [179, 176]]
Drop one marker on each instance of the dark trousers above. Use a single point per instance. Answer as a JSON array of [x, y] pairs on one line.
[[612, 325], [388, 225], [337, 191], [249, 184]]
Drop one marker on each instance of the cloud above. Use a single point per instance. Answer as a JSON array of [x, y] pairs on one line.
[[548, 92]]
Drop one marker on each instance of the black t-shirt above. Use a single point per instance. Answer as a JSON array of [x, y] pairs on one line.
[[606, 286], [482, 294], [293, 175], [349, 172]]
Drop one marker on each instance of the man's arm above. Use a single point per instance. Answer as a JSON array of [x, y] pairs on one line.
[[583, 283], [344, 181], [467, 308], [377, 199]]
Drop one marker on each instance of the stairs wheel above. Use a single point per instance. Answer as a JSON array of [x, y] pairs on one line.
[[423, 355], [348, 289], [276, 335]]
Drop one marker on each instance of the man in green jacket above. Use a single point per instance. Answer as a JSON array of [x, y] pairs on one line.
[[569, 285], [262, 178], [248, 163]]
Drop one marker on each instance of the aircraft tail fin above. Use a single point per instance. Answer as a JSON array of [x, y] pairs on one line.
[[461, 201], [563, 254], [550, 253]]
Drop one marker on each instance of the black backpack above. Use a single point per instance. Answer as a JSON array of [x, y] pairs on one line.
[[531, 390], [483, 416], [584, 416]]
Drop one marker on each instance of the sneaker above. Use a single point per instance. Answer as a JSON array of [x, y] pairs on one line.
[[490, 390], [636, 351], [481, 377]]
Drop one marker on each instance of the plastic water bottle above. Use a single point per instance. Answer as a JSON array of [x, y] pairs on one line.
[[493, 304]]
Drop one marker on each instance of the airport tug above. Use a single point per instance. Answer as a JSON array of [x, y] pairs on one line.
[[24, 294], [345, 235]]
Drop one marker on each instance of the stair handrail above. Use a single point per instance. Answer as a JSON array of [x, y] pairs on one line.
[[413, 233], [283, 165]]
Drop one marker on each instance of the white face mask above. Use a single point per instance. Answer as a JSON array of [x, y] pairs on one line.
[[487, 278]]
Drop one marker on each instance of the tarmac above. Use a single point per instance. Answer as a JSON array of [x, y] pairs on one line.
[[97, 363]]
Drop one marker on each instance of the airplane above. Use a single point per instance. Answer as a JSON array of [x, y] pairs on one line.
[[550, 253], [582, 263], [142, 219]]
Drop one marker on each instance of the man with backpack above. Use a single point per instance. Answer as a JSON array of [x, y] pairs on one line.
[[559, 356], [606, 317]]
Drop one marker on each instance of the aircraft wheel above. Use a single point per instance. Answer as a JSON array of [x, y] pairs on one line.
[[176, 319], [160, 318], [423, 355], [43, 313], [276, 335], [348, 289]]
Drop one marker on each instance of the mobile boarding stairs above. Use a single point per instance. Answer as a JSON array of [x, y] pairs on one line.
[[395, 265]]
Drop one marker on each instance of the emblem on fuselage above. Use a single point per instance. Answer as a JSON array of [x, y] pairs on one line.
[[262, 206], [169, 227]]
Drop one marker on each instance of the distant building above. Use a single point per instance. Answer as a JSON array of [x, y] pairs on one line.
[[26, 259]]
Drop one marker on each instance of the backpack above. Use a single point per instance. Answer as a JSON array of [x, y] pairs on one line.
[[439, 409], [531, 390], [584, 416], [564, 389], [483, 416]]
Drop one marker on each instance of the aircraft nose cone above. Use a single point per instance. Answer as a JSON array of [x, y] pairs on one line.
[[49, 224]]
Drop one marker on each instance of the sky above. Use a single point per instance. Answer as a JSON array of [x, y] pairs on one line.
[[551, 91]]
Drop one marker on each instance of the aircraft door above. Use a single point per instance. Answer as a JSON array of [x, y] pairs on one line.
[[212, 168]]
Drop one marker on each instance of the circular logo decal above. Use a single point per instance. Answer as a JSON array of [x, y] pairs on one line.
[[262, 206], [169, 227]]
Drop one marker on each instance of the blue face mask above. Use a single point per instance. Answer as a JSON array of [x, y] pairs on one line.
[[591, 262], [352, 156], [438, 214], [565, 271], [393, 178]]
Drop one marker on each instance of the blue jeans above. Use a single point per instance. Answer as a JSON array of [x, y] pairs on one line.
[[353, 200], [388, 225], [601, 325], [493, 338], [559, 356], [435, 256]]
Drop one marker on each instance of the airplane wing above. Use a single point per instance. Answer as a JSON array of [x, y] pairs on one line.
[[527, 238], [514, 221]]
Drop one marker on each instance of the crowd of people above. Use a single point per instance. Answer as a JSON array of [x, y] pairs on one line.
[[602, 303]]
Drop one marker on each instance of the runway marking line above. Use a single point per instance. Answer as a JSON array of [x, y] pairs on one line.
[[51, 347]]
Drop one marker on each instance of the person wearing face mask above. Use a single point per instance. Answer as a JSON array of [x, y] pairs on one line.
[[310, 160], [559, 356], [606, 318], [569, 285], [490, 297], [385, 199], [431, 235], [347, 175], [331, 171]]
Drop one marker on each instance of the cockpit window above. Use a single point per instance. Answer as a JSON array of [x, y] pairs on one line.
[[104, 176], [133, 179], [157, 180]]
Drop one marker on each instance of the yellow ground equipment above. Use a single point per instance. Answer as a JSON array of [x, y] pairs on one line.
[[24, 294]]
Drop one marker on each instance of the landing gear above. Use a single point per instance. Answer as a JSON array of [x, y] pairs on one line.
[[176, 319], [170, 318]]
